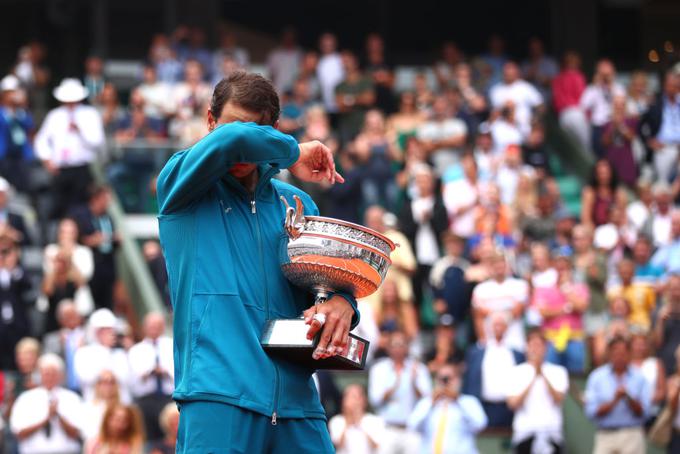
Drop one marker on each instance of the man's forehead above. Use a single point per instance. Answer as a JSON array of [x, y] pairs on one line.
[[234, 112]]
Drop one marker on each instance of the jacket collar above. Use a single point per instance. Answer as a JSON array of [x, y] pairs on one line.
[[263, 187]]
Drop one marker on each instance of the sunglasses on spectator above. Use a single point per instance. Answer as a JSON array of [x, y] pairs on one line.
[[445, 379]]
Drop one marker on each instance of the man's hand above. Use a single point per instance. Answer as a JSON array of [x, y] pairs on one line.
[[315, 164], [335, 332]]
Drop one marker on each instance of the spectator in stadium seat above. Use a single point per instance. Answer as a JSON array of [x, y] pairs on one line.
[[64, 281], [667, 325], [567, 88], [47, 418], [14, 305], [169, 422], [641, 298], [638, 97], [642, 357], [283, 62], [355, 431], [561, 307], [380, 69], [598, 196], [67, 240], [354, 96], [659, 224], [375, 154], [461, 196], [493, 61], [451, 291], [66, 340], [446, 349], [404, 263], [539, 68], [294, 108], [98, 232], [329, 71], [156, 94], [536, 389], [404, 123], [443, 136], [68, 141], [444, 69], [103, 353], [16, 131], [94, 79], [308, 72], [526, 99], [645, 272], [639, 210], [448, 420], [26, 375], [229, 47], [106, 394], [617, 400], [11, 223], [488, 365], [152, 372], [394, 314], [673, 401], [395, 385], [660, 129], [500, 293], [122, 430], [423, 220], [596, 101], [617, 141], [668, 255], [110, 109]]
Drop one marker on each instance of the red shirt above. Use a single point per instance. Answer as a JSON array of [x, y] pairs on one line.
[[567, 88]]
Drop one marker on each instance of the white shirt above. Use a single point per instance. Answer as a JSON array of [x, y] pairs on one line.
[[661, 228], [427, 248], [330, 73], [32, 407], [283, 65], [547, 278], [443, 158], [502, 297], [637, 213], [539, 414], [368, 328], [157, 99], [598, 101], [462, 420], [91, 360], [382, 377], [524, 96], [504, 134], [65, 148], [92, 416], [507, 180], [457, 194], [142, 357], [497, 362], [356, 440], [81, 256]]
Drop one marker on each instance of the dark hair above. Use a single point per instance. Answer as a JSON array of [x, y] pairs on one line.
[[96, 190], [618, 340], [250, 91], [614, 181], [535, 332]]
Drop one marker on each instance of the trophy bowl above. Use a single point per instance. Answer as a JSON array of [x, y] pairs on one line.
[[330, 255], [325, 255]]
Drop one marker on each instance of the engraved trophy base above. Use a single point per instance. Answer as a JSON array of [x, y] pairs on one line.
[[287, 338]]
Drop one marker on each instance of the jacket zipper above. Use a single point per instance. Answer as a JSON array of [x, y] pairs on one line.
[[253, 210]]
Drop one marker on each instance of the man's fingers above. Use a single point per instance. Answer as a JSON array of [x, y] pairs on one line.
[[321, 350], [339, 339], [314, 327], [339, 178]]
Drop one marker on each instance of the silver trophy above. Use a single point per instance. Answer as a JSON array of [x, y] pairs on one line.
[[326, 255]]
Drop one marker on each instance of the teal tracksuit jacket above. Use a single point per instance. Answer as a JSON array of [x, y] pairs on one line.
[[222, 246]]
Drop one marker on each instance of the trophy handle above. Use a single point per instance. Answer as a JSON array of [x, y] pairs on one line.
[[294, 223]]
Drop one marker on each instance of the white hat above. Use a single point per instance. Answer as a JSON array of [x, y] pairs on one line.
[[9, 83], [102, 318], [606, 237], [4, 185], [70, 90]]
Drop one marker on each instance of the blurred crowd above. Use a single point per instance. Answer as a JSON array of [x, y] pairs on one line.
[[502, 293]]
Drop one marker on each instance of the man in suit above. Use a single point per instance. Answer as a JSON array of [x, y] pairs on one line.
[[66, 340]]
